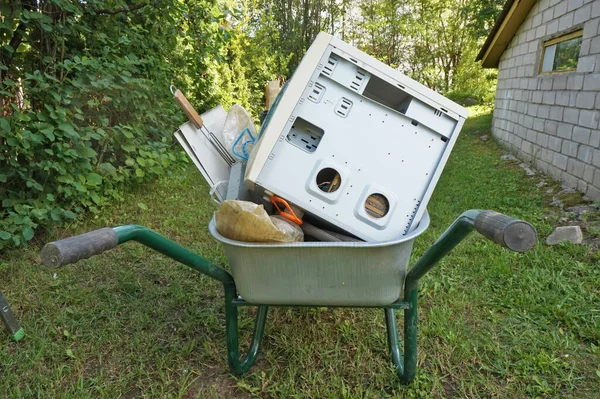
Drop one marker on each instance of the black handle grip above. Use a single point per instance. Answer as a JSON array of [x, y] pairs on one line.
[[517, 235], [72, 249]]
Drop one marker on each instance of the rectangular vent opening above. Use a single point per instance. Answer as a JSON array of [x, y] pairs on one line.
[[329, 66], [358, 80], [316, 94], [437, 112], [387, 94], [305, 135], [343, 107]]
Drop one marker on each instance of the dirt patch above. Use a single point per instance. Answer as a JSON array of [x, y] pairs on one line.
[[214, 383]]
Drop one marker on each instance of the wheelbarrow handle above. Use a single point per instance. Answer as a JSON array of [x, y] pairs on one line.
[[514, 234], [72, 249]]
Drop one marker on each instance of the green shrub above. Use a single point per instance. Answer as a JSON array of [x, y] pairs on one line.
[[87, 111]]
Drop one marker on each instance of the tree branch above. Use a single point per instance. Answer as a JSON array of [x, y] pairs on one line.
[[15, 42]]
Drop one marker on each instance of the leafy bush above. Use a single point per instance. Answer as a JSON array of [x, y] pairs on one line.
[[86, 109]]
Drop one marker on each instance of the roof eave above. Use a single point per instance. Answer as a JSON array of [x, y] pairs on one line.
[[512, 16]]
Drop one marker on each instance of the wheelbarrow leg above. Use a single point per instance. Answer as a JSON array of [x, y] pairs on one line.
[[410, 338], [405, 368], [231, 315], [9, 320]]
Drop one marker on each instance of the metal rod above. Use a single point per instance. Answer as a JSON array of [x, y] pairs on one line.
[[171, 249], [175, 251], [237, 365], [217, 145], [393, 341], [453, 235], [461, 227], [410, 338], [9, 320], [399, 304]]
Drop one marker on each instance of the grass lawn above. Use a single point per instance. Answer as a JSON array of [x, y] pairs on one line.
[[132, 323]]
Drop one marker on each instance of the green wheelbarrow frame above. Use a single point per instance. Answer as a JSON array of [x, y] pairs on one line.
[[10, 322], [516, 235]]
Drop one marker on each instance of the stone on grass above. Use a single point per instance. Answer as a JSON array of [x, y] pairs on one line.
[[527, 169], [566, 190], [484, 137], [556, 202], [583, 208], [508, 157], [571, 234]]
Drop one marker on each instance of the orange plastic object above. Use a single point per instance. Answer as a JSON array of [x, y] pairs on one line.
[[287, 213]]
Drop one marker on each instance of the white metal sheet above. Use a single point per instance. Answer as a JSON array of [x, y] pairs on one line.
[[201, 151], [383, 132]]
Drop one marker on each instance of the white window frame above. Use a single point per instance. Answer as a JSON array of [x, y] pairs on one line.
[[549, 49]]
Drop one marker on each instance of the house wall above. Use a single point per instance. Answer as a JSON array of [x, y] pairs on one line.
[[553, 120]]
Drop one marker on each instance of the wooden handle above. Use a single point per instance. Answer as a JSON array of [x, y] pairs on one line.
[[271, 91], [187, 108]]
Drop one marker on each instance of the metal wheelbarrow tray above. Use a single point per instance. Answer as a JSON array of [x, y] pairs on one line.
[[320, 273], [312, 274]]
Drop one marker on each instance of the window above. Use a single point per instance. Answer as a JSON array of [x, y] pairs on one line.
[[561, 54]]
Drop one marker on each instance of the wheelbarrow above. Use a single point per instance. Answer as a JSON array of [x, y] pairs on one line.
[[312, 274]]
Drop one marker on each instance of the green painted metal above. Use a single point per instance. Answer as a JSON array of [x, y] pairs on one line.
[[394, 305], [406, 366], [410, 339], [175, 251], [9, 320], [171, 249], [393, 341], [231, 325], [407, 370], [19, 335], [453, 235]]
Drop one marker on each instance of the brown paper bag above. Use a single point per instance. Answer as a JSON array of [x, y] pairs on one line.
[[249, 222]]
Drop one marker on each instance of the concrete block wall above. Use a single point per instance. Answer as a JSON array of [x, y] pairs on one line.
[[553, 120]]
